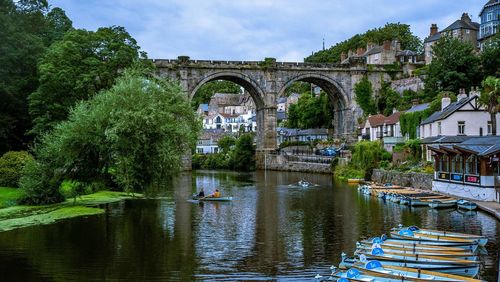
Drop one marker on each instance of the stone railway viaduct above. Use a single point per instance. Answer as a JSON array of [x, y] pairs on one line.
[[267, 80]]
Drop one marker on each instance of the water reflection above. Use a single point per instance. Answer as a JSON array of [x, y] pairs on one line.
[[270, 231]]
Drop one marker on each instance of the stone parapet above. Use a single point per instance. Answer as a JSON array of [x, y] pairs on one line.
[[408, 179]]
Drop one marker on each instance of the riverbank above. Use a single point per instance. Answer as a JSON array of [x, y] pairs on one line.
[[20, 216]]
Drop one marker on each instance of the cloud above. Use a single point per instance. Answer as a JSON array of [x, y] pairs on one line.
[[253, 30]]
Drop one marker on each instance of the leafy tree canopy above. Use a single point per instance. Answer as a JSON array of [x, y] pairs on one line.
[[364, 96], [454, 66], [27, 28], [75, 68], [490, 57], [127, 137], [310, 111], [390, 31]]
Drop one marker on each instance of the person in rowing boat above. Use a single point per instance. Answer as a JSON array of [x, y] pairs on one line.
[[201, 194], [215, 194]]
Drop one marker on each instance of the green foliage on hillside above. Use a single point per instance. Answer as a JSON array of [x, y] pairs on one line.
[[364, 96], [206, 91], [127, 137], [390, 31]]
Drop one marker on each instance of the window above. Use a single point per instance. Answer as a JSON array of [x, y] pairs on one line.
[[489, 16], [467, 31], [439, 128], [490, 127], [443, 163], [200, 150], [472, 165], [456, 164], [461, 128]]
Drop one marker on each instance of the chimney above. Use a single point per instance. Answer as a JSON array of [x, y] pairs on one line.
[[397, 45], [445, 102], [466, 18], [360, 51], [434, 29], [343, 56], [461, 94], [387, 45]]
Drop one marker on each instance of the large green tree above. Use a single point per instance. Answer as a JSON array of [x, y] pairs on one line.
[[75, 68], [127, 137], [454, 66], [490, 99], [311, 111], [27, 28], [490, 56]]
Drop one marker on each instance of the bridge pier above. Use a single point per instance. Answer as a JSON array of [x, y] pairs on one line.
[[266, 135]]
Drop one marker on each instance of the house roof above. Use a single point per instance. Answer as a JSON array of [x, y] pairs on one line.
[[445, 139], [282, 100], [302, 132], [406, 53], [376, 120], [229, 115], [461, 24], [392, 119], [418, 108], [214, 134], [479, 145], [489, 4], [374, 50], [450, 109], [432, 38]]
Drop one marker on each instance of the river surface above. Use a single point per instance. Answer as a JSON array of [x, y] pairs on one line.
[[271, 231]]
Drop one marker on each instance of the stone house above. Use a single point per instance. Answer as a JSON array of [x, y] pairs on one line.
[[382, 55], [208, 141], [490, 19], [465, 117], [468, 168], [463, 29], [234, 104]]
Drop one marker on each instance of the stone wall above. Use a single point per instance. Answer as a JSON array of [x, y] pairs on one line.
[[408, 179], [280, 163]]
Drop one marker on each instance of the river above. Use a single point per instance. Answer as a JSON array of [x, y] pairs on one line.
[[270, 231]]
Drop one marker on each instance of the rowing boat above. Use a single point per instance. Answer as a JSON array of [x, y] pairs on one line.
[[481, 240], [413, 247], [411, 242], [466, 205], [398, 251], [212, 199], [423, 237], [375, 268], [442, 203]]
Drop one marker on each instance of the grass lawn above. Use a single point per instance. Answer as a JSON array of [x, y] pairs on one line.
[[9, 196], [13, 217]]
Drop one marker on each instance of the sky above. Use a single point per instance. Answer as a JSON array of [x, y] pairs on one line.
[[288, 30]]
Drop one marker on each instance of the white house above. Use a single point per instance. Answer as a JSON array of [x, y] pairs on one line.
[[230, 122], [380, 127], [208, 142], [465, 117]]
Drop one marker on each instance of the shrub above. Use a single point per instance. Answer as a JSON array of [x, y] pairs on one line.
[[11, 167]]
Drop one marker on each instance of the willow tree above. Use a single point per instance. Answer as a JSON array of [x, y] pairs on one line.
[[125, 138]]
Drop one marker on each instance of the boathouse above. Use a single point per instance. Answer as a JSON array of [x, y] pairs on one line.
[[469, 169]]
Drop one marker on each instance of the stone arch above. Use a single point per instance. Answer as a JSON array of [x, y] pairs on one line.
[[244, 81], [342, 112]]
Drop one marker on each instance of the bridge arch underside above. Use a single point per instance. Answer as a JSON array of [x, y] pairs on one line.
[[265, 135], [342, 114]]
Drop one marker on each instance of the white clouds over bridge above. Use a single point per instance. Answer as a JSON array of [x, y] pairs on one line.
[[251, 30]]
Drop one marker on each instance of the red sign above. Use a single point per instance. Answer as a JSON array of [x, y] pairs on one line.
[[472, 179]]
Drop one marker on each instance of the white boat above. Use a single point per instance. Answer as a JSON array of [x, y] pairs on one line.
[[437, 234], [466, 205], [435, 204], [353, 274], [375, 268], [413, 247]]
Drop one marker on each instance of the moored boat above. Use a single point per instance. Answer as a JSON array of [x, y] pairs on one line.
[[398, 251], [413, 247], [466, 205], [444, 239], [471, 246], [430, 233], [442, 203], [375, 268]]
